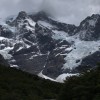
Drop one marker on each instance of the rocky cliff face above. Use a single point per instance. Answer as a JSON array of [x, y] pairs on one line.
[[3, 61], [36, 43], [89, 28]]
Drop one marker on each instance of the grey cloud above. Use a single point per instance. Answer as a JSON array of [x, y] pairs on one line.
[[74, 11], [69, 11]]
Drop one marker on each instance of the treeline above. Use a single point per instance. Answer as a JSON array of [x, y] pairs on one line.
[[18, 85], [83, 87]]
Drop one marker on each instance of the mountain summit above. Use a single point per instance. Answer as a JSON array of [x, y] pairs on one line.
[[38, 44]]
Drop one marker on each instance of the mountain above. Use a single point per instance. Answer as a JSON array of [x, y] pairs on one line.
[[38, 44], [89, 28]]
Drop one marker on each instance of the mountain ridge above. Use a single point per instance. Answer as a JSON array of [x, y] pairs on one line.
[[36, 43]]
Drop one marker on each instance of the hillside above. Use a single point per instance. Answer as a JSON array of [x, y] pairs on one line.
[[18, 85], [84, 87]]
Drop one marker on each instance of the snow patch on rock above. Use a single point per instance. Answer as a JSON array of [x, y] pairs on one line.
[[59, 35], [61, 78], [45, 77], [5, 53]]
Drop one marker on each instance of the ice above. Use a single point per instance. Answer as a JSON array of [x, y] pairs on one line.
[[5, 53], [29, 28], [45, 24], [31, 22], [32, 57], [45, 77], [59, 35], [2, 38], [61, 78], [81, 49], [92, 22], [14, 66], [20, 48]]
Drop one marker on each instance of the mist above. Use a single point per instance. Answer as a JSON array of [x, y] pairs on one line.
[[68, 11]]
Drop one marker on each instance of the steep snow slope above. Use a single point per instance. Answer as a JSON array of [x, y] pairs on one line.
[[80, 50], [61, 78]]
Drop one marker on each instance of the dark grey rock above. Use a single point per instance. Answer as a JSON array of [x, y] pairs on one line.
[[3, 61]]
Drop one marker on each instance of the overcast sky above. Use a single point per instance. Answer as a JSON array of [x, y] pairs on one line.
[[69, 11]]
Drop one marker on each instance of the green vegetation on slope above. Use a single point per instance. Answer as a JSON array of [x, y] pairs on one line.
[[18, 85], [83, 87]]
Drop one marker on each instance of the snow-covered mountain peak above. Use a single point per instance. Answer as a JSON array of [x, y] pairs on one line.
[[36, 42], [22, 15], [88, 29], [90, 21], [39, 16]]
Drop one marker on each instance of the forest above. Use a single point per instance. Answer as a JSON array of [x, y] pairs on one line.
[[18, 85]]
